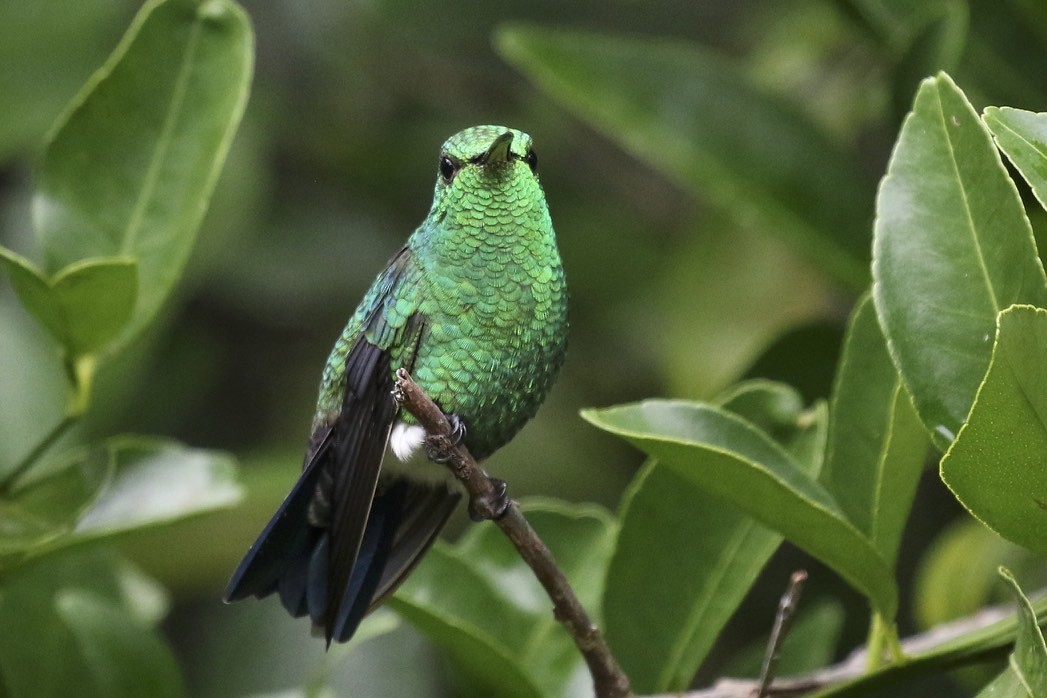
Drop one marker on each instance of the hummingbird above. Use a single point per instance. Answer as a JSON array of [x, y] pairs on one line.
[[474, 307]]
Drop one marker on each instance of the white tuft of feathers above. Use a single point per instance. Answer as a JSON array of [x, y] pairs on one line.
[[405, 440]]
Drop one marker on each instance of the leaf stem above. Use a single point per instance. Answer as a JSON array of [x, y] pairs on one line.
[[41, 447]]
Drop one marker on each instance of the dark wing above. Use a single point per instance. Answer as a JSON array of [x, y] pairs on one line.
[[309, 548], [341, 541]]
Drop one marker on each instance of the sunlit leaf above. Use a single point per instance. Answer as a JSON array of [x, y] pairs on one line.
[[158, 481], [952, 248]]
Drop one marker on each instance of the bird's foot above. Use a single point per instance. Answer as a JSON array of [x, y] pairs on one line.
[[491, 507], [438, 448]]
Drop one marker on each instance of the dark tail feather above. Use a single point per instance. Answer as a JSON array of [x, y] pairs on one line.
[[278, 560], [291, 557]]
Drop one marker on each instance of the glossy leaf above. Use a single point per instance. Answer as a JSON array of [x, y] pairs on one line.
[[158, 481], [778, 410], [702, 121], [952, 248], [1022, 136], [84, 306], [683, 563], [495, 621], [877, 444], [705, 556], [738, 463], [130, 169], [995, 467]]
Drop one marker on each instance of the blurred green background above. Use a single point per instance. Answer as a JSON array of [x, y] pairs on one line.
[[673, 293]]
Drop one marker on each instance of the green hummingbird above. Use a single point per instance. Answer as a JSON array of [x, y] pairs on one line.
[[474, 307]]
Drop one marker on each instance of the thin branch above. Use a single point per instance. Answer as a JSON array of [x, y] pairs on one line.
[[941, 648], [609, 680], [782, 622]]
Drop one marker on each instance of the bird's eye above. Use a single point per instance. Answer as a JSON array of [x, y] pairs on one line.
[[448, 168], [531, 158]]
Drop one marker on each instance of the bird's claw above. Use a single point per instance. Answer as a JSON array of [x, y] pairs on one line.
[[438, 449], [492, 507]]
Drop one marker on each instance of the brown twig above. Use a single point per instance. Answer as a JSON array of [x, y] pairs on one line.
[[609, 680], [782, 622]]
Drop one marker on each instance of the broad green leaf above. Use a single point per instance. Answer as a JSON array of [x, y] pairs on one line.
[[1029, 660], [738, 463], [62, 646], [683, 563], [706, 556], [1022, 136], [877, 444], [48, 49], [481, 604], [1006, 685], [952, 248], [45, 506], [158, 481], [84, 306], [778, 410], [130, 169], [995, 466], [702, 121]]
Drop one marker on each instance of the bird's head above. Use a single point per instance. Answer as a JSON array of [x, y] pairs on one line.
[[485, 168]]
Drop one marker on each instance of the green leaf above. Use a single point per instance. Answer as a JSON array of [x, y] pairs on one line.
[[85, 627], [123, 657], [958, 574], [46, 505], [1022, 136], [158, 481], [129, 484], [1029, 659], [683, 563], [84, 306], [877, 444], [702, 121], [707, 556], [995, 466], [131, 167], [1006, 685], [778, 410], [952, 248], [738, 463], [481, 604], [48, 50]]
